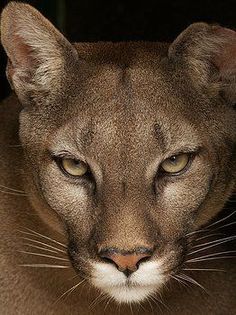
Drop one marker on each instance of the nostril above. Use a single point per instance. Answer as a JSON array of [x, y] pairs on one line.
[[143, 259], [109, 260]]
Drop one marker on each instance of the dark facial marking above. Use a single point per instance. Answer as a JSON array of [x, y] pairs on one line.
[[87, 134], [159, 135], [124, 187]]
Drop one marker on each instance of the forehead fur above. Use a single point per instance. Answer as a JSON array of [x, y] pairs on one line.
[[113, 77], [128, 93]]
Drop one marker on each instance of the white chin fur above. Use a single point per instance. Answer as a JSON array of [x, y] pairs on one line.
[[124, 294], [142, 283]]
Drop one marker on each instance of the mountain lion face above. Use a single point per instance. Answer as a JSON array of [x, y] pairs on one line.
[[129, 147]]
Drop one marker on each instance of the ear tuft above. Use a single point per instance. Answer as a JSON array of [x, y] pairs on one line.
[[209, 52], [36, 50]]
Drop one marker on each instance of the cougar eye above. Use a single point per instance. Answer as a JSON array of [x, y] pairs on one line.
[[175, 163], [74, 167]]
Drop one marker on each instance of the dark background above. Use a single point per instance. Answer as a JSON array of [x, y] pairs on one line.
[[116, 20]]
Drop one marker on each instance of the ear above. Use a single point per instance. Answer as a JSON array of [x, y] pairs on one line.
[[209, 52], [38, 53]]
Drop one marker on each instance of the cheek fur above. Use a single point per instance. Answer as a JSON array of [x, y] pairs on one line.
[[63, 197]]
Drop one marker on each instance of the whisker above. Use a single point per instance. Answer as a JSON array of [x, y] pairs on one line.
[[41, 248], [180, 281], [159, 300], [41, 243], [102, 298], [131, 308], [221, 220], [108, 302], [12, 193], [68, 292], [228, 239], [97, 300], [206, 236], [42, 255], [202, 269], [43, 266], [74, 277], [15, 145], [150, 304], [212, 255], [212, 242], [210, 258], [13, 189], [156, 302], [46, 237], [206, 229], [196, 232], [143, 308], [191, 280], [225, 225]]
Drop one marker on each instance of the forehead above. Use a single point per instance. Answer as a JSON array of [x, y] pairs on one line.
[[127, 130], [132, 137], [126, 104]]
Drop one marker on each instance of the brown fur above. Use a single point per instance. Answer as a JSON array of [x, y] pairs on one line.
[[123, 108]]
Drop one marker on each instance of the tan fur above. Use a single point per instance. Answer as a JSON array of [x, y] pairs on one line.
[[123, 108]]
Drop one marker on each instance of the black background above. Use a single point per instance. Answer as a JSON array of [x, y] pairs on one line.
[[91, 20]]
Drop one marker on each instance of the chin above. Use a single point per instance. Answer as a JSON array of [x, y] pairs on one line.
[[130, 294], [145, 282]]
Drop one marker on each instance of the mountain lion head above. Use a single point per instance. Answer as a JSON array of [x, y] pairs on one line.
[[128, 147]]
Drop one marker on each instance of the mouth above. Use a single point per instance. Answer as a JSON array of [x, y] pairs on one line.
[[137, 287], [118, 280]]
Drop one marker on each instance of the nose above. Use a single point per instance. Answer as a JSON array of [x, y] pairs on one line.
[[126, 261]]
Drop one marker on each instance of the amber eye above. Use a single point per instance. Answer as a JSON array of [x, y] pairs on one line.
[[175, 163], [74, 167]]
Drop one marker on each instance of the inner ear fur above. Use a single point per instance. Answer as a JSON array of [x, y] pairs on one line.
[[37, 52], [209, 53]]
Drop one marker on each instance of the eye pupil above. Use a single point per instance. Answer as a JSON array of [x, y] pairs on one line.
[[77, 163], [173, 159]]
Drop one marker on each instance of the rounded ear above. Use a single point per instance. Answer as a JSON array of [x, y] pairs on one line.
[[209, 52], [37, 52]]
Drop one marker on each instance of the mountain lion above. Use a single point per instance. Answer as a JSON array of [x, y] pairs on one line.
[[116, 161]]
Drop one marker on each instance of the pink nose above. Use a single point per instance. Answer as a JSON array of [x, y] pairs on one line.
[[125, 261]]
